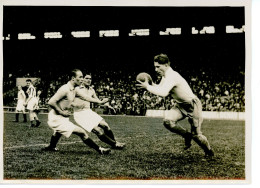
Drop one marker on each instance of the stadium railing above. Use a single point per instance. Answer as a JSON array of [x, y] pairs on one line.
[[12, 109]]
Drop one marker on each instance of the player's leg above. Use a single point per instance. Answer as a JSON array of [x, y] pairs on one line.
[[89, 142], [18, 109], [90, 121], [53, 142], [171, 123], [16, 116], [31, 117], [24, 116], [103, 124], [36, 119], [107, 130], [103, 137], [196, 122]]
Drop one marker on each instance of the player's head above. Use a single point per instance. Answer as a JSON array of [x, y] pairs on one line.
[[19, 88], [161, 63], [87, 79], [76, 77], [28, 82]]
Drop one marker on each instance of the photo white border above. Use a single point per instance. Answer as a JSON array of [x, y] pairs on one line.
[[246, 3]]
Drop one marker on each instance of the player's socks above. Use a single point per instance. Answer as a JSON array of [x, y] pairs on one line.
[[110, 134], [89, 142], [17, 117], [106, 139], [24, 118], [54, 140], [37, 123], [187, 138], [32, 125]]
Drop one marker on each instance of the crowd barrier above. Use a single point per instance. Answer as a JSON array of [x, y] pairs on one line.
[[12, 109], [161, 113], [205, 114]]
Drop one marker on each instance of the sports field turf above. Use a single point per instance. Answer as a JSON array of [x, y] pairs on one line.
[[152, 152]]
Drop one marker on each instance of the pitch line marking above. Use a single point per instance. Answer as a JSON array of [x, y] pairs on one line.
[[68, 143]]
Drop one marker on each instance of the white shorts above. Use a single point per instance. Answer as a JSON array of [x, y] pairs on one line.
[[87, 119], [60, 124], [32, 102], [20, 105]]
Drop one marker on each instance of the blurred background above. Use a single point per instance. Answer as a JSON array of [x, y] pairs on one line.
[[206, 45]]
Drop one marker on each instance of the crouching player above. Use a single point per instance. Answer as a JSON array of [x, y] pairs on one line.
[[58, 117], [89, 120]]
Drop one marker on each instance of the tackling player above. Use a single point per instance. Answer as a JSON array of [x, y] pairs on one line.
[[91, 121], [58, 117], [188, 105]]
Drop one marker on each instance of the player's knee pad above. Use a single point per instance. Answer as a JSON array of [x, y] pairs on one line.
[[169, 124]]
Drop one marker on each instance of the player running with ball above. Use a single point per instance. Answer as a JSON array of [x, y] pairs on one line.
[[187, 104]]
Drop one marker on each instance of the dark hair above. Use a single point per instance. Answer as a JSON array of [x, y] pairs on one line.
[[88, 74], [28, 80], [162, 59], [73, 73]]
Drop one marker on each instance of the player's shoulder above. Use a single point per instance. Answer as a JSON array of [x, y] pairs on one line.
[[64, 88], [175, 73], [91, 88]]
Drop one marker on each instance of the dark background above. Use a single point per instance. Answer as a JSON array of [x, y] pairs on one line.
[[221, 55], [220, 49]]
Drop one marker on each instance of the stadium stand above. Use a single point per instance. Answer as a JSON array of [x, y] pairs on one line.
[[224, 94]]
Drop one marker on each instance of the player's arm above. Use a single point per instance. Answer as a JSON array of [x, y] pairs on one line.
[[162, 89], [53, 102], [103, 104], [85, 97]]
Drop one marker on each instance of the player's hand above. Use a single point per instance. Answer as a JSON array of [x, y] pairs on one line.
[[25, 104], [65, 113], [107, 104], [74, 104], [105, 100], [144, 84]]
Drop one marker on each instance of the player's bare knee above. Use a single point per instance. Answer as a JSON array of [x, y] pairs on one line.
[[98, 131], [168, 124], [103, 124]]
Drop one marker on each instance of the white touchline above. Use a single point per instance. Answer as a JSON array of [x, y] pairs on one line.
[[67, 143], [35, 145]]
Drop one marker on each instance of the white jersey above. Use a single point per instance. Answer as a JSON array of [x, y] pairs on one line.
[[174, 84], [21, 100], [31, 91], [81, 104], [21, 96]]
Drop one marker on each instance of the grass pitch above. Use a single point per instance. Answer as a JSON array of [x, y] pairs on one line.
[[152, 152]]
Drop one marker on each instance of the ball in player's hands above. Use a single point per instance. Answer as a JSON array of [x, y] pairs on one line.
[[143, 77]]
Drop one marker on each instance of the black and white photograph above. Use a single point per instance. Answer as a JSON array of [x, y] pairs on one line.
[[126, 92]]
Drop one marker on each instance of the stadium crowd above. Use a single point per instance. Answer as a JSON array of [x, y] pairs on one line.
[[217, 92]]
